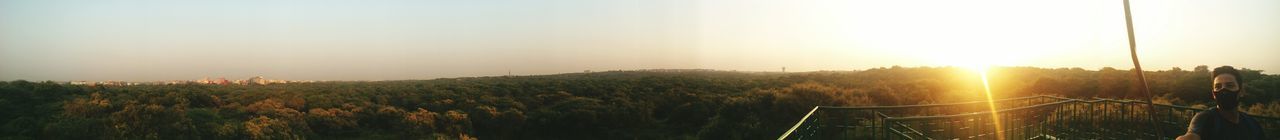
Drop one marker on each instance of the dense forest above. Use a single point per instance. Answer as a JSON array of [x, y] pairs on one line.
[[642, 104]]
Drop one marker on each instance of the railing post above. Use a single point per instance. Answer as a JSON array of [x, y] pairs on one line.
[[817, 122], [1170, 114], [885, 123]]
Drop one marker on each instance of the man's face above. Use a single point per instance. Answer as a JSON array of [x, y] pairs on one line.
[[1225, 82]]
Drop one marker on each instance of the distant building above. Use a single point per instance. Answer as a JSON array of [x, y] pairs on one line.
[[204, 80], [257, 80], [221, 81]]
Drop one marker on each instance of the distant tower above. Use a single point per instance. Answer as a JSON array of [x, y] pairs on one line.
[[784, 69]]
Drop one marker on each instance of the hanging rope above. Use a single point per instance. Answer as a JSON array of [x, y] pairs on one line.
[[1133, 52]]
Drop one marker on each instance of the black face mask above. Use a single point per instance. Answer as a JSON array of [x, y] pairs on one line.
[[1227, 99]]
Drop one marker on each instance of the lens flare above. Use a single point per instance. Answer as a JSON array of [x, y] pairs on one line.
[[995, 117]]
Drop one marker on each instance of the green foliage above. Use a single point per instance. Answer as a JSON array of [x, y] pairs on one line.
[[656, 104]]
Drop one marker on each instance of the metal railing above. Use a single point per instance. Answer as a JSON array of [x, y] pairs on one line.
[[1036, 117]]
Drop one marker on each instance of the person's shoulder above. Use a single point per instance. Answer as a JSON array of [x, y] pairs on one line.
[[1245, 117], [1204, 119], [1201, 122], [1252, 124]]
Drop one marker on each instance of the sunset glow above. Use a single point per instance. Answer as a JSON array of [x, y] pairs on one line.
[[388, 40], [650, 69]]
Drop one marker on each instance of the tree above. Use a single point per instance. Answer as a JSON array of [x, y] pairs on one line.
[[264, 128], [151, 121], [332, 121], [421, 122]]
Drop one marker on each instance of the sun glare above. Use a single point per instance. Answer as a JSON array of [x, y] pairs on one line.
[[995, 117]]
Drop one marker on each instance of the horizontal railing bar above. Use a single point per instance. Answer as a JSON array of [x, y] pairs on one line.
[[1176, 106], [975, 113], [929, 105]]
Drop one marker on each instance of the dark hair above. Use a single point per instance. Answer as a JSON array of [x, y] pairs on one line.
[[1229, 70]]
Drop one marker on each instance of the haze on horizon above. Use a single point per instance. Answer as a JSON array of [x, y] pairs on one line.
[[149, 40]]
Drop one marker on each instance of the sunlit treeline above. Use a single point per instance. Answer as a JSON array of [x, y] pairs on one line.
[[600, 105]]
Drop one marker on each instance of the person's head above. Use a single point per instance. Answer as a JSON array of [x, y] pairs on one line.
[[1227, 86]]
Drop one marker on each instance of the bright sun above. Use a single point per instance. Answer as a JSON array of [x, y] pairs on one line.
[[979, 60], [975, 57]]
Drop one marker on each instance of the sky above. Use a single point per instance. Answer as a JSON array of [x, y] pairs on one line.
[[146, 40]]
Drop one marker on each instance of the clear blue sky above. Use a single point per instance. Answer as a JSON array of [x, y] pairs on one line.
[[143, 40]]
